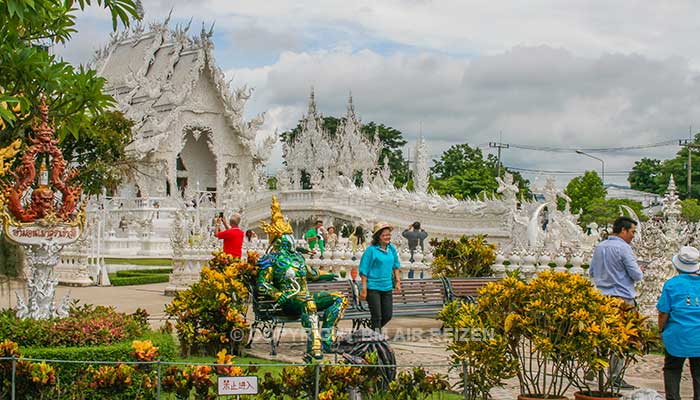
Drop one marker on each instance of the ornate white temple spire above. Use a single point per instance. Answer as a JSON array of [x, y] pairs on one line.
[[420, 166], [351, 107], [312, 105], [671, 206]]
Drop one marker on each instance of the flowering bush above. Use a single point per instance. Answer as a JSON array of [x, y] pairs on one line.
[[144, 350], [32, 380], [558, 327], [476, 345], [336, 382], [85, 325], [468, 256], [198, 379], [211, 309]]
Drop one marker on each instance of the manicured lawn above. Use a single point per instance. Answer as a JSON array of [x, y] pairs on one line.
[[140, 261]]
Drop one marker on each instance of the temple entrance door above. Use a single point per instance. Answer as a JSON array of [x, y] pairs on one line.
[[197, 161]]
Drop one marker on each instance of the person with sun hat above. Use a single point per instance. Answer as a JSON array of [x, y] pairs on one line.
[[379, 271], [679, 322]]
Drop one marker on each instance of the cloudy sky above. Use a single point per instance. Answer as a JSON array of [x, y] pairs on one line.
[[575, 74]]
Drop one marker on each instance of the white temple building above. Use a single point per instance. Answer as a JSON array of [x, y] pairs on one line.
[[189, 131]]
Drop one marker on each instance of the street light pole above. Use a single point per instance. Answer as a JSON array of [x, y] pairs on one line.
[[602, 175]]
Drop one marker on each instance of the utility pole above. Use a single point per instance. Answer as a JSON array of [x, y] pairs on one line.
[[688, 143], [499, 145]]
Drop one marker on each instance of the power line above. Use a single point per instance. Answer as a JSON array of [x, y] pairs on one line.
[[564, 172], [593, 150]]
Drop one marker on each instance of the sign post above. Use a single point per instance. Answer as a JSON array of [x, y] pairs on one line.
[[237, 385]]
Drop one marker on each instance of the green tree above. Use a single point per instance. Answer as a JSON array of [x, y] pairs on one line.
[[463, 172], [583, 190], [645, 175], [653, 175], [101, 155], [75, 95], [27, 70], [603, 212], [690, 210], [392, 141]]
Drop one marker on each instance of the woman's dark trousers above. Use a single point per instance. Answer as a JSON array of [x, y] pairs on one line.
[[673, 369], [380, 307]]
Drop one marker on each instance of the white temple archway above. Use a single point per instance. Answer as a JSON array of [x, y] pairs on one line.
[[196, 161]]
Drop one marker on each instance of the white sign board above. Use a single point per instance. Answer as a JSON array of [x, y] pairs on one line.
[[37, 234], [236, 385]]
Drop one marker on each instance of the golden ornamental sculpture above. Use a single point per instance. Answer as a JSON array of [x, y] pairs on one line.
[[278, 225], [29, 200]]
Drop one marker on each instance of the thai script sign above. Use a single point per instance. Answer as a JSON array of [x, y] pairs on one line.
[[237, 385], [36, 234]]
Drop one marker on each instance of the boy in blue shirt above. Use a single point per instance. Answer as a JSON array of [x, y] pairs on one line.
[[679, 322]]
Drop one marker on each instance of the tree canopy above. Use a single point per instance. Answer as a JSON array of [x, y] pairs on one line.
[[652, 175], [74, 94], [584, 189], [463, 172]]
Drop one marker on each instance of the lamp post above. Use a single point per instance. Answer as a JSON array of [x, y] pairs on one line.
[[602, 175]]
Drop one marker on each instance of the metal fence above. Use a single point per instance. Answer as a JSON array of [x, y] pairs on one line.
[[161, 365]]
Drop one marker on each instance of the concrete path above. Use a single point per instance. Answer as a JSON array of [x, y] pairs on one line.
[[416, 341]]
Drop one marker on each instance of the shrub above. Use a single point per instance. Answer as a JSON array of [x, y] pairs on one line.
[[198, 380], [32, 379], [85, 325], [212, 308], [140, 272], [139, 280], [122, 351], [559, 342], [469, 256], [476, 344]]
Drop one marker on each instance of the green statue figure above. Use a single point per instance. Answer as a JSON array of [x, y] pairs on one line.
[[283, 275]]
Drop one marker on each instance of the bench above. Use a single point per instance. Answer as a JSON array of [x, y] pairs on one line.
[[466, 289], [270, 320], [418, 297]]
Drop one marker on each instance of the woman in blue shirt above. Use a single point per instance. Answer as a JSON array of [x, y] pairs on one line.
[[379, 263], [679, 322]]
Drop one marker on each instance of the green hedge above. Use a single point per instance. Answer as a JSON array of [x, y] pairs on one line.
[[138, 280], [140, 272], [139, 261], [117, 352]]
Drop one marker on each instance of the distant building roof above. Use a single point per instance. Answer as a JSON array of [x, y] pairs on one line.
[[620, 192]]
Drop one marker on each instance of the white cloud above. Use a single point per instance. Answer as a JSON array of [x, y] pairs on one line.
[[564, 74], [537, 96]]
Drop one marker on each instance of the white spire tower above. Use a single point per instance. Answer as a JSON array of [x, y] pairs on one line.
[[420, 165]]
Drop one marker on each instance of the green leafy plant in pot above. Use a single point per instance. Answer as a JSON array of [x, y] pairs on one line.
[[559, 327]]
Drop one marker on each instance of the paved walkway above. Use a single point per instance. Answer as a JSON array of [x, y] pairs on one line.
[[415, 341]]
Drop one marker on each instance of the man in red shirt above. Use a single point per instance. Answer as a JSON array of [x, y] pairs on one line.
[[232, 236]]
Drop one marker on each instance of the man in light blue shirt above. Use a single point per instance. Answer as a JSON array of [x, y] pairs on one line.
[[614, 267], [614, 270]]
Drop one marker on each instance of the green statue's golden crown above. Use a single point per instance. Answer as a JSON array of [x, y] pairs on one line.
[[278, 225]]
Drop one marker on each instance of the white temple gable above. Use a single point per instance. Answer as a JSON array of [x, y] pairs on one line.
[[168, 83]]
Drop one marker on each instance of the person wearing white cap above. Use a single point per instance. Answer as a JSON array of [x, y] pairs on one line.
[[379, 270], [679, 322]]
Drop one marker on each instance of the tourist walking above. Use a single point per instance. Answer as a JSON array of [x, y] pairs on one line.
[[679, 322], [357, 239], [614, 271], [415, 236], [251, 236], [379, 271], [331, 238], [232, 235], [315, 236]]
